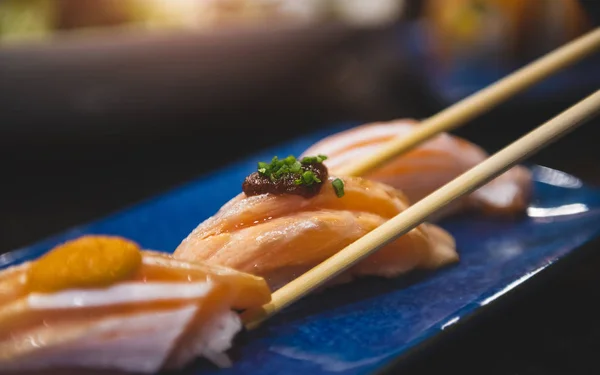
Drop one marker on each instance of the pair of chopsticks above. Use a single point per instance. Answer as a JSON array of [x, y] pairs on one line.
[[469, 181]]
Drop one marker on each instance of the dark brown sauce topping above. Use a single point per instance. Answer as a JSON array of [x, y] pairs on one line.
[[257, 184]]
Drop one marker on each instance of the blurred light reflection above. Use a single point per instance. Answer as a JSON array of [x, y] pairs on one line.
[[556, 178], [567, 209], [511, 286], [451, 322]]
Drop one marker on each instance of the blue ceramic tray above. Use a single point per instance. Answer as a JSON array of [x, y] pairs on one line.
[[361, 327]]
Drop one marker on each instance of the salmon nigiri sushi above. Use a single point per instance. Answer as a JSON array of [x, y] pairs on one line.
[[285, 223], [100, 303], [427, 167]]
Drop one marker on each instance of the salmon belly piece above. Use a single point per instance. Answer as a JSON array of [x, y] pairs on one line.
[[162, 315], [279, 237], [427, 167]]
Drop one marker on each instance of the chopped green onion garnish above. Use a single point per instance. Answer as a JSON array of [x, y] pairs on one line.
[[262, 167], [290, 165], [313, 159], [338, 187], [307, 178]]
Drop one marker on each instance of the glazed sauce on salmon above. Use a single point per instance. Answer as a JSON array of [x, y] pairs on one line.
[[288, 176], [257, 184]]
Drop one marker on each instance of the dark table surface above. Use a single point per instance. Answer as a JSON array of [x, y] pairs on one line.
[[550, 329]]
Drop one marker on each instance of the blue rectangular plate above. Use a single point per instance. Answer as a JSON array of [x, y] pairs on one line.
[[361, 327]]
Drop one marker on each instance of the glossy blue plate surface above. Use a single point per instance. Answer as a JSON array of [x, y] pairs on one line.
[[360, 327]]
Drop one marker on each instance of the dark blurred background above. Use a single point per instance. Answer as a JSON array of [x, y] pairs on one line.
[[104, 103]]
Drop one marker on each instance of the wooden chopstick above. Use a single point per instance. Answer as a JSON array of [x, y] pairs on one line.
[[479, 102], [416, 214]]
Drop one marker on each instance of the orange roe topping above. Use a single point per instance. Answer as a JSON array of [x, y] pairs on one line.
[[86, 262]]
